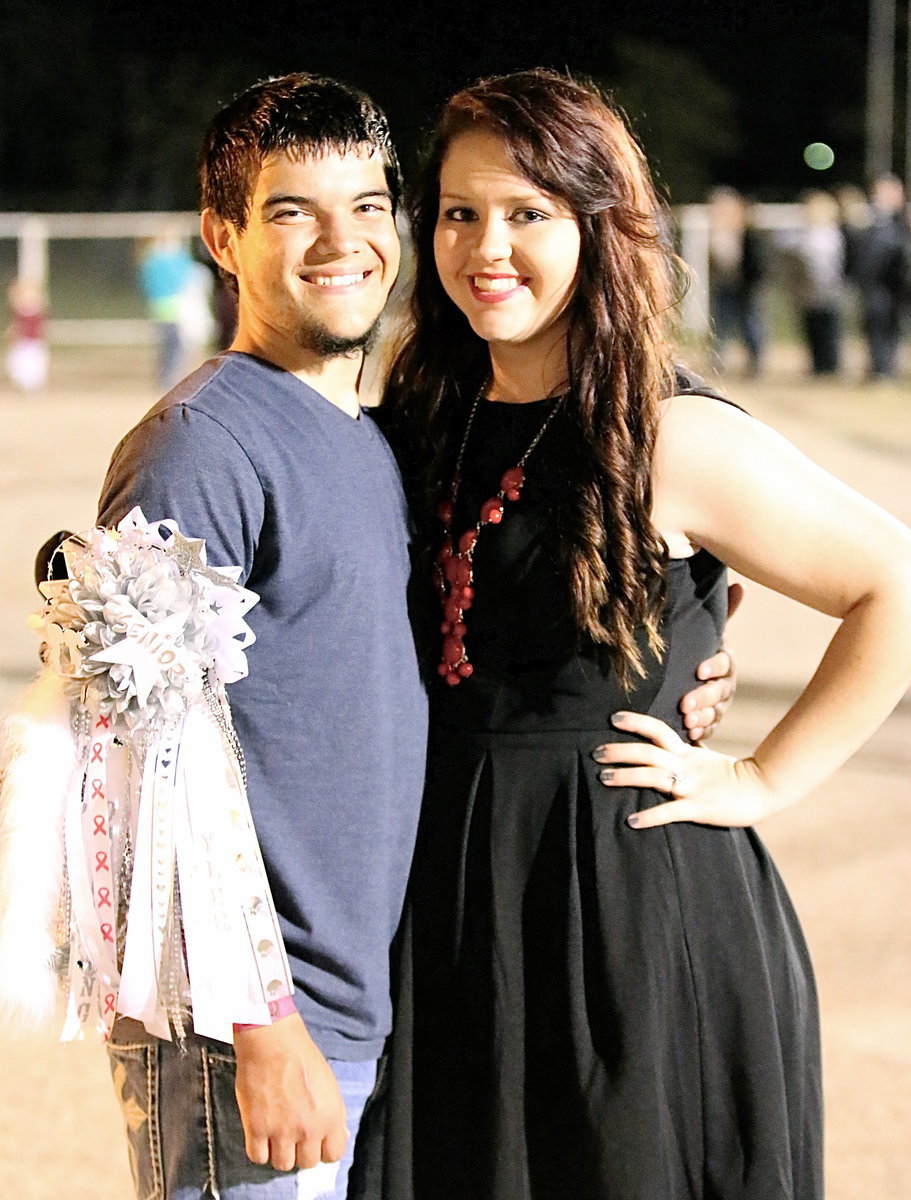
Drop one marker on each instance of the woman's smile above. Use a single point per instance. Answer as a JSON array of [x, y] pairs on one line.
[[493, 289]]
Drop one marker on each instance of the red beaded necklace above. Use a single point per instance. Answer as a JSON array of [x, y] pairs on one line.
[[454, 566]]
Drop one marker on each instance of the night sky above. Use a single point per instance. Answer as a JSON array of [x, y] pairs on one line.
[[102, 105]]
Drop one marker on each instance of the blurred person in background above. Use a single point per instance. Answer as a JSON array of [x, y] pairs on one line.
[[27, 354], [881, 267], [815, 264], [196, 316], [737, 268], [165, 269], [853, 219], [222, 306]]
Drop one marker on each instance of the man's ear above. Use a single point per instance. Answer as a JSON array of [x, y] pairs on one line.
[[219, 236]]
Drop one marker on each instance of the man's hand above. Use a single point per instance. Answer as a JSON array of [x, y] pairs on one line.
[[705, 705], [290, 1104]]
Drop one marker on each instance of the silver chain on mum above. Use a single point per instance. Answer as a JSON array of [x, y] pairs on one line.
[[221, 711]]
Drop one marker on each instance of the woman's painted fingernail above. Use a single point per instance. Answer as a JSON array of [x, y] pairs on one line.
[[633, 820], [598, 754], [606, 776], [618, 718]]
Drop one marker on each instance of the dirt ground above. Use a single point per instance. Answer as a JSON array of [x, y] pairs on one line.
[[845, 852]]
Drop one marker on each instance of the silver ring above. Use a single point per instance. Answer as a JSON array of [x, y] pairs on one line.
[[672, 778]]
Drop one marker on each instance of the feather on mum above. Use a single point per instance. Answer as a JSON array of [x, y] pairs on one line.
[[39, 766]]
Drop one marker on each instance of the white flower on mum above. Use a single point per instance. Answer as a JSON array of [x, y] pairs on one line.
[[142, 619]]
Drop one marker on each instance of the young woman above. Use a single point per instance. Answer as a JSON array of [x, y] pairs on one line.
[[606, 994]]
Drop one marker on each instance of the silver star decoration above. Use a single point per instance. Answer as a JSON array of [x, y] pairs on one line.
[[187, 553]]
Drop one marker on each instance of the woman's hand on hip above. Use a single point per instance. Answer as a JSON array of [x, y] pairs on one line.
[[705, 787]]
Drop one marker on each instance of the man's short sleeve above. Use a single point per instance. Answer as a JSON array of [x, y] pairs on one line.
[[182, 465]]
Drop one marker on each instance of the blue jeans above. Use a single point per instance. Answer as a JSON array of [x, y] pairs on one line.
[[736, 312], [169, 354], [184, 1134]]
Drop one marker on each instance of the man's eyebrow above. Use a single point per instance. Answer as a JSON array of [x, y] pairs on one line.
[[382, 193], [310, 202], [271, 201]]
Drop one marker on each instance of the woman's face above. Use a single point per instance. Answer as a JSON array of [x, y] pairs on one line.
[[507, 253]]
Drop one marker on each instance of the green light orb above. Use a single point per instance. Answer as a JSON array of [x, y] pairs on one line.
[[819, 156]]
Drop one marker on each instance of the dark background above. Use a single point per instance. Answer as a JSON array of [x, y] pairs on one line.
[[102, 105]]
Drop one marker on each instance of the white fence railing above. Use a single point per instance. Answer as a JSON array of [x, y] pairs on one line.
[[34, 231]]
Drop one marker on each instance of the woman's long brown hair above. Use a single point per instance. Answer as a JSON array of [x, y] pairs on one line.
[[568, 141]]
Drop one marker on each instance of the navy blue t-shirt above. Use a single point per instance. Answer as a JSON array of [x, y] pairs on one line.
[[332, 717]]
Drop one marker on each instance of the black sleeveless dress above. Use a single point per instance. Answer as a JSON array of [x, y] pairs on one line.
[[586, 1011]]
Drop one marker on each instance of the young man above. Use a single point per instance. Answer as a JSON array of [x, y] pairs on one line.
[[264, 453]]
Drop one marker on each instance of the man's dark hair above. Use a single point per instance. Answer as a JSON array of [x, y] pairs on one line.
[[300, 114]]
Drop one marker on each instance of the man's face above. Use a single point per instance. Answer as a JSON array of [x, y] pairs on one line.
[[319, 255]]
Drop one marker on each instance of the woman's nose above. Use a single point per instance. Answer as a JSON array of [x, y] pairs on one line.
[[493, 242]]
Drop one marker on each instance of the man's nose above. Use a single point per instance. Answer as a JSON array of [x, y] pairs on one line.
[[338, 234]]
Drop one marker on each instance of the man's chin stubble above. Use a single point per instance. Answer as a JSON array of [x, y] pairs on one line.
[[320, 341]]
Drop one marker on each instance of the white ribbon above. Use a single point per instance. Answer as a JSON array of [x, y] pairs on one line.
[[193, 811], [233, 902], [90, 872], [152, 887]]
